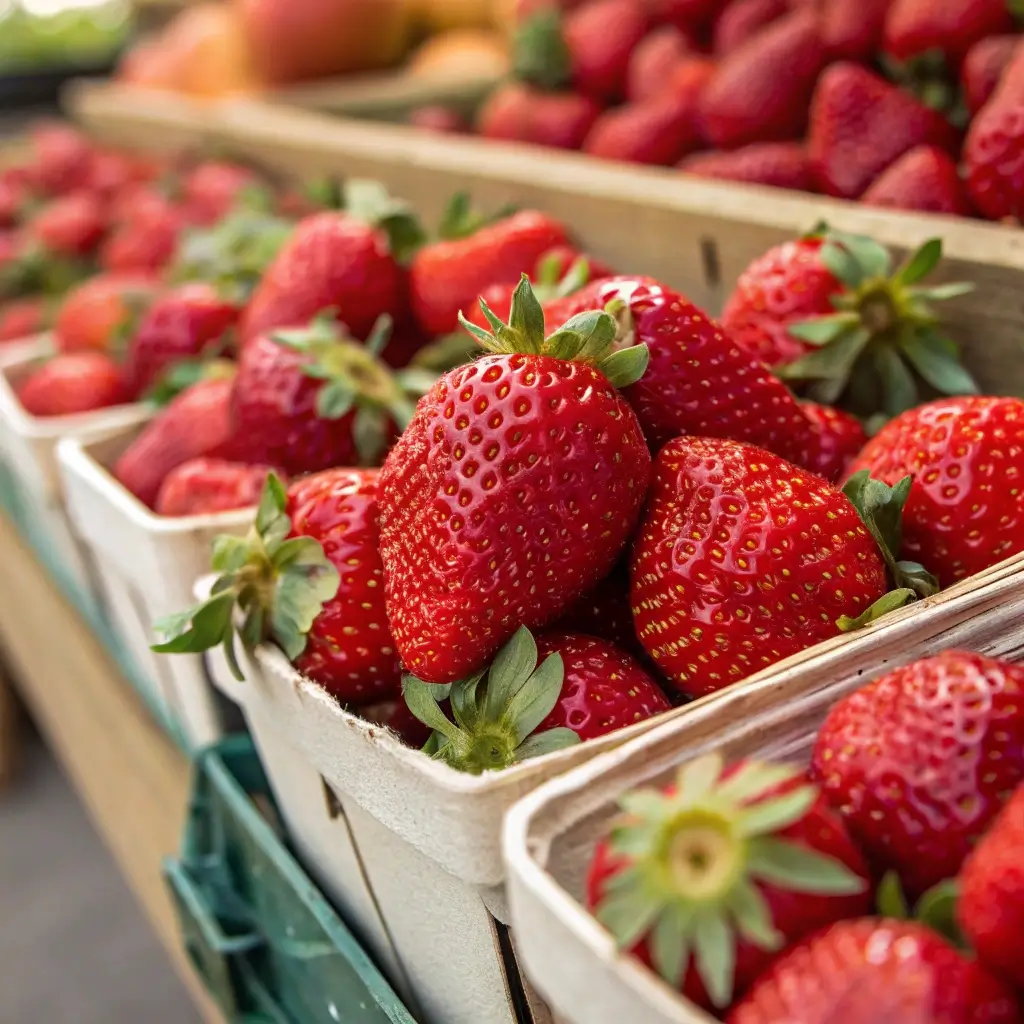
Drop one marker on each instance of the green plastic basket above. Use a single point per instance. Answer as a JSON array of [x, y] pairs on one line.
[[264, 940]]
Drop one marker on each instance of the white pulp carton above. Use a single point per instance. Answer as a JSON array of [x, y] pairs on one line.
[[145, 568], [423, 877], [28, 446], [550, 835]]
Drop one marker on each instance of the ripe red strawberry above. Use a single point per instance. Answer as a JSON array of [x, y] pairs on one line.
[[335, 261], [920, 761], [685, 14], [601, 36], [657, 131], [780, 164], [211, 190], [62, 158], [743, 19], [308, 399], [147, 242], [742, 560], [860, 124], [438, 118], [472, 547], [72, 383], [13, 197], [517, 112], [186, 322], [820, 309], [111, 172], [698, 382], [962, 515], [318, 544], [101, 312], [687, 887], [851, 29], [924, 178], [606, 612], [22, 319], [994, 148], [206, 486], [762, 89], [196, 424], [654, 60], [841, 438], [446, 277], [983, 67], [991, 905], [580, 687], [875, 971], [71, 225], [916, 27]]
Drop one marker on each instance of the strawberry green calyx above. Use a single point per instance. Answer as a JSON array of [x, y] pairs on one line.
[[462, 220], [694, 857], [936, 909], [370, 202], [183, 374], [279, 584], [540, 53], [495, 718], [591, 337], [354, 379], [880, 507], [884, 337]]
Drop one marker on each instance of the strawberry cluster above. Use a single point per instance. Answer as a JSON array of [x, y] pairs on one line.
[[882, 883], [861, 99]]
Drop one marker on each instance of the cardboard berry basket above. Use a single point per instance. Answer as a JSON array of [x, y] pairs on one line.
[[549, 836], [29, 447], [145, 567], [411, 849]]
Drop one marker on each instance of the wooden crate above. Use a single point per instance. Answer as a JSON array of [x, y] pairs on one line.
[[696, 235]]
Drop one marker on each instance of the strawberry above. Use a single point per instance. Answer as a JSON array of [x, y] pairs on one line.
[[601, 36], [14, 197], [994, 148], [101, 311], [876, 971], [196, 424], [780, 164], [963, 516], [991, 906], [657, 131], [917, 27], [409, 729], [983, 67], [852, 29], [822, 309], [743, 19], [657, 55], [186, 322], [63, 158], [606, 612], [688, 15], [860, 124], [580, 688], [924, 178], [538, 413], [72, 383], [307, 399], [920, 761], [447, 276], [22, 319], [317, 544], [707, 878], [207, 486], [697, 382], [761, 90], [338, 261], [147, 242], [840, 439], [111, 172], [742, 560], [71, 225], [211, 190], [517, 112], [438, 118]]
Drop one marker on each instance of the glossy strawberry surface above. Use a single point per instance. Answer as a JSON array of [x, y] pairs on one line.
[[966, 507], [205, 486], [951, 28], [512, 493], [349, 650], [146, 242], [22, 319], [874, 971], [332, 261], [920, 761], [840, 438], [93, 315], [72, 225], [72, 383], [743, 559], [779, 164], [209, 191], [924, 178], [698, 381]]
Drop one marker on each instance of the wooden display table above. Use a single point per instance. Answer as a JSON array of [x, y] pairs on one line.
[[131, 778]]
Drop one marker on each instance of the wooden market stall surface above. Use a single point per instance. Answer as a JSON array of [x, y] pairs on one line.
[[129, 775]]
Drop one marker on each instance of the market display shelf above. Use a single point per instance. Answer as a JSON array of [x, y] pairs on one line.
[[131, 777]]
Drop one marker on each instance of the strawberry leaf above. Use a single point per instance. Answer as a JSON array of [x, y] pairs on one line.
[[921, 263], [540, 53], [890, 898], [547, 742], [928, 352], [883, 606]]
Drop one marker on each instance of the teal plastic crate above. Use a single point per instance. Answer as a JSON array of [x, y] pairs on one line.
[[264, 940]]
